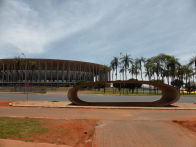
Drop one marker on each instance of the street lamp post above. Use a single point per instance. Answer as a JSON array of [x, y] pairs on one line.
[[26, 83], [25, 66]]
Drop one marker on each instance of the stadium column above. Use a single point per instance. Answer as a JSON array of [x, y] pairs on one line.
[[22, 73], [39, 72], [8, 72], [3, 72], [57, 72], [12, 73], [45, 78], [75, 69], [89, 72], [51, 71], [83, 72], [96, 74], [80, 73], [93, 73], [86, 78], [68, 72], [63, 72]]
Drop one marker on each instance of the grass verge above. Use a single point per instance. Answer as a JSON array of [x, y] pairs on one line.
[[57, 131], [20, 128]]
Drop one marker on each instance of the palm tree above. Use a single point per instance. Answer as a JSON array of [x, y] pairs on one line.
[[187, 71], [125, 60], [140, 61], [104, 70], [193, 62], [132, 69], [157, 66], [173, 66], [149, 68], [163, 60], [138, 67], [112, 65], [122, 70], [115, 64]]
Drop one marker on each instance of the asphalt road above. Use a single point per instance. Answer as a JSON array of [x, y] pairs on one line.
[[92, 98]]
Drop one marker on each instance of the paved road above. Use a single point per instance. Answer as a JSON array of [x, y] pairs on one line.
[[122, 128], [63, 97]]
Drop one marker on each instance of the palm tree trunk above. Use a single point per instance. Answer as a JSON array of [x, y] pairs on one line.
[[141, 74], [116, 73]]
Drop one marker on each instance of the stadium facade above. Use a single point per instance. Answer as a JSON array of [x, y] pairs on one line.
[[50, 71]]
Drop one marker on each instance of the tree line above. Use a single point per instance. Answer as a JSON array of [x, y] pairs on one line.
[[163, 68]]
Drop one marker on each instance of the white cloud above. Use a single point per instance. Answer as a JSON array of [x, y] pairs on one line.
[[97, 30], [29, 30]]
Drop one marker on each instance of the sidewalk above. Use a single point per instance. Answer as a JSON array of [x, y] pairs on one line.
[[66, 104], [136, 133]]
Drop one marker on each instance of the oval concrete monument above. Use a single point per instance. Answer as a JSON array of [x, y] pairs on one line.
[[169, 95]]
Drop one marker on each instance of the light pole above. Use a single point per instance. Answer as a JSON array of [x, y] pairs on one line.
[[25, 65], [26, 83]]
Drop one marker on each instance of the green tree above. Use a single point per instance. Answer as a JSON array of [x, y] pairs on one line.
[[80, 82], [122, 71], [104, 71], [115, 64], [173, 66], [149, 68], [177, 83], [133, 86], [117, 85], [137, 67], [140, 61], [112, 65], [125, 61], [187, 71]]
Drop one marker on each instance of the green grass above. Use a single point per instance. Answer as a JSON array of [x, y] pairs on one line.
[[20, 128], [118, 93]]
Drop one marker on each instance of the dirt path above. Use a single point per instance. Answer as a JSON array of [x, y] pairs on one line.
[[122, 128]]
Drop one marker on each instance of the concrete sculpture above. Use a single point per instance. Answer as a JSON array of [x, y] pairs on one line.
[[169, 95]]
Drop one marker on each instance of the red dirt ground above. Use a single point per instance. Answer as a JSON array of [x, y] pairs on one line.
[[4, 103], [189, 124], [76, 133]]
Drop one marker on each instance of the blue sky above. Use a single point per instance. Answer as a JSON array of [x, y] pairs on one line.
[[97, 30]]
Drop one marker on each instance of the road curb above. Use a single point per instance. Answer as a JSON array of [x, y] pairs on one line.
[[67, 105]]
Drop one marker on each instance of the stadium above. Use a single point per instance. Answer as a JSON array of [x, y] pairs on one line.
[[50, 72]]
